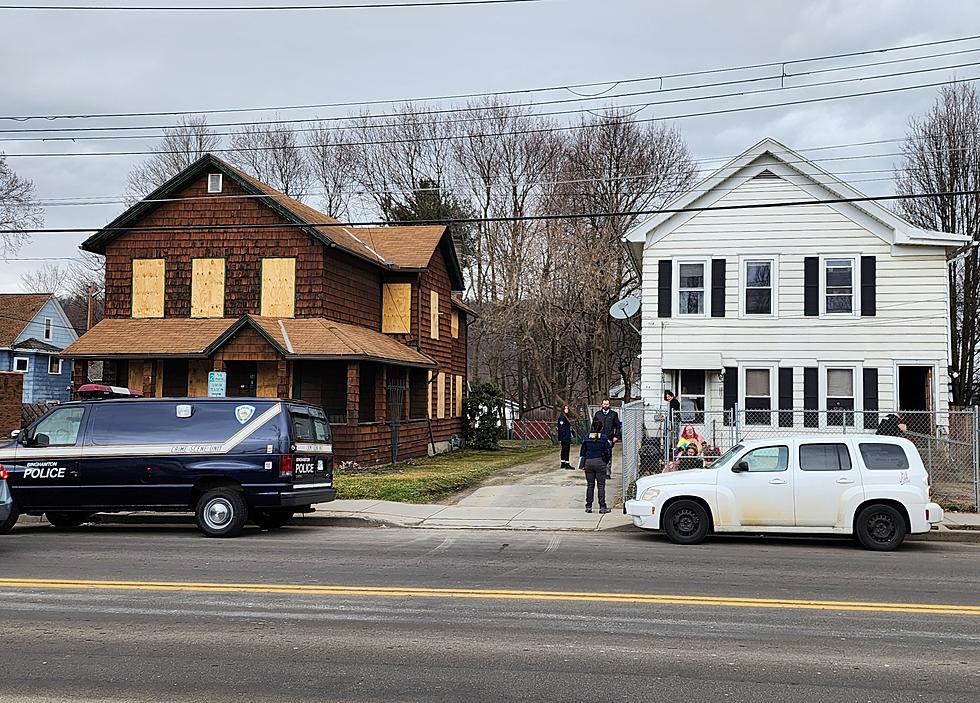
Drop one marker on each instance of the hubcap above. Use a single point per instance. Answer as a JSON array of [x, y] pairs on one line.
[[217, 513], [686, 522], [881, 527]]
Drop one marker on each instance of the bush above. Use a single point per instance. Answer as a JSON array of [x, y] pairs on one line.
[[483, 425]]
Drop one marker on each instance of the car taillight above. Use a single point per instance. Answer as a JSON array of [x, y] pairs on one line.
[[4, 475], [286, 464]]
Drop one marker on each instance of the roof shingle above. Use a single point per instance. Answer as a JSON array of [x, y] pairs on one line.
[[18, 309]]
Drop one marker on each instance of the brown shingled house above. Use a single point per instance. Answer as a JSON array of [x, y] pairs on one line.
[[290, 303]]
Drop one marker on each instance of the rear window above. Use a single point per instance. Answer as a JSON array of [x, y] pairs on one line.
[[884, 457], [150, 422], [825, 457], [309, 425]]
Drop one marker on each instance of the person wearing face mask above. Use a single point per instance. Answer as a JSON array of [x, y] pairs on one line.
[[611, 427]]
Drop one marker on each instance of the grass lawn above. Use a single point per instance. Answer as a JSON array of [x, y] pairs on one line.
[[427, 480]]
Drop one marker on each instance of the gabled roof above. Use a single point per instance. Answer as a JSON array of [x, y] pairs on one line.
[[34, 344], [779, 160], [397, 247], [17, 310], [144, 337]]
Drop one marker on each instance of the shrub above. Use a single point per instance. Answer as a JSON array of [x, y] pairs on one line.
[[483, 425]]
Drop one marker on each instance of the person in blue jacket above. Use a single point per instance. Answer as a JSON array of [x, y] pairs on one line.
[[596, 453], [565, 436]]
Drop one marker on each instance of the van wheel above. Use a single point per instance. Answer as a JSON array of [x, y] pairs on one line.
[[67, 519], [221, 512], [686, 522], [272, 519], [8, 524], [880, 528]]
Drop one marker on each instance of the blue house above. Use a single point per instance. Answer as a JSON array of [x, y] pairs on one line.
[[33, 331]]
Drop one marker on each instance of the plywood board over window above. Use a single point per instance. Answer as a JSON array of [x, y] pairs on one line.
[[433, 315], [148, 287], [396, 309], [135, 378], [267, 379], [197, 377], [441, 400], [208, 288], [459, 396], [278, 288], [454, 324]]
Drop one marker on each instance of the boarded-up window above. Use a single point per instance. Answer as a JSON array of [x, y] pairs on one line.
[[428, 393], [396, 308], [441, 400], [135, 379], [208, 288], [459, 396], [434, 315], [278, 288], [148, 284], [197, 377], [454, 323], [267, 379]]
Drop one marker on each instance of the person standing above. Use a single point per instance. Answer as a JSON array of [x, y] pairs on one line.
[[596, 457], [893, 426], [565, 435], [673, 416], [610, 426]]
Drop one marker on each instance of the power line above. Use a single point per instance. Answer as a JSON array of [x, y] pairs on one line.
[[258, 8], [462, 96], [721, 111]]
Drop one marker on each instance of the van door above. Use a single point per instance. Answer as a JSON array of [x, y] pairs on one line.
[[826, 482], [310, 435], [761, 487], [45, 471]]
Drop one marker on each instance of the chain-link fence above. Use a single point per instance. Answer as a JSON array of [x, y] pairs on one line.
[[655, 440]]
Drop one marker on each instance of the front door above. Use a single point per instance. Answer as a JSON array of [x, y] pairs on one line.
[[825, 482], [242, 379], [762, 495], [915, 397]]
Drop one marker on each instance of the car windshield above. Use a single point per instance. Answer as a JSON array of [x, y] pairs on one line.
[[726, 457]]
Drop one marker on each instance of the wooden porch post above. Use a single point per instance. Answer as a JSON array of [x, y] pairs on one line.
[[282, 378], [353, 392], [149, 379], [381, 395], [79, 374]]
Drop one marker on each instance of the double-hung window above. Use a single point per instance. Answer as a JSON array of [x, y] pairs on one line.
[[690, 287], [759, 275], [839, 297], [840, 397], [692, 394], [758, 396]]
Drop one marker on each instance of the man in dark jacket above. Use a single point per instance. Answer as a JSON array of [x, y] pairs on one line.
[[611, 427], [565, 436], [893, 426], [596, 456]]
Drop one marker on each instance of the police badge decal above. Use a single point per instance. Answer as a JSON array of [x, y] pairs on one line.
[[244, 413]]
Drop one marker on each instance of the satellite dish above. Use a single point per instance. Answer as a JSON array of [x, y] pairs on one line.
[[625, 309]]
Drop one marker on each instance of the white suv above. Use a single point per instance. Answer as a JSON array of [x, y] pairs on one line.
[[872, 487]]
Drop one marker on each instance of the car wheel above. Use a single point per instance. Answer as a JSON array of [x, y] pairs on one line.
[[686, 522], [272, 519], [8, 524], [67, 519], [880, 528], [221, 512]]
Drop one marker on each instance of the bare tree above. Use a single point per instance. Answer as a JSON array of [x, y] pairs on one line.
[[18, 209], [72, 284], [180, 147], [942, 154], [334, 163], [275, 156]]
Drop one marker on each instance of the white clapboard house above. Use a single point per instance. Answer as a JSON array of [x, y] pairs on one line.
[[813, 307]]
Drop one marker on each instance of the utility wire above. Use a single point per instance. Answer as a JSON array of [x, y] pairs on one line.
[[258, 8], [460, 96]]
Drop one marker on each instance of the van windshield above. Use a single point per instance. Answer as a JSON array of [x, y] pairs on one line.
[[309, 425]]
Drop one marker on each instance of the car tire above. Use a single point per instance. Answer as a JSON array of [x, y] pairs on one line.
[[221, 512], [272, 519], [8, 524], [880, 528], [686, 522], [67, 519]]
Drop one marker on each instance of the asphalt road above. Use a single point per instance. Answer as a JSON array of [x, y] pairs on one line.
[[125, 613]]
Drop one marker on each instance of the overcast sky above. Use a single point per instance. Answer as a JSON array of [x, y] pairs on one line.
[[75, 62]]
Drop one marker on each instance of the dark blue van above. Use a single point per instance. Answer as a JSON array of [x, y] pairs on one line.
[[227, 459]]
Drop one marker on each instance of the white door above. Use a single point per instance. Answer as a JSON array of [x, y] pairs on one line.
[[760, 486], [825, 481]]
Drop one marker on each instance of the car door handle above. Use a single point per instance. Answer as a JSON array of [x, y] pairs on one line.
[[778, 482], [844, 480]]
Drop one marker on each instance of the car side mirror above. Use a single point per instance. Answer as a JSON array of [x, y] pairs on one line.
[[41, 440], [740, 467]]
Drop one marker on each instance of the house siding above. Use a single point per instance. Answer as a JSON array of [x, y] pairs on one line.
[[912, 309]]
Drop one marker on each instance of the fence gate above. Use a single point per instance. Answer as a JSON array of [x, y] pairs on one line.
[[396, 397]]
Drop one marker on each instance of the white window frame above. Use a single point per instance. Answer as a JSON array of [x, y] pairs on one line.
[[676, 292], [60, 364], [855, 285], [48, 327], [743, 279], [857, 369], [218, 183], [680, 395], [773, 368], [27, 364]]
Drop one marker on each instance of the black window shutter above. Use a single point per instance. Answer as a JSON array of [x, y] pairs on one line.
[[665, 287], [870, 399], [717, 287], [785, 406], [730, 390], [811, 398], [868, 286], [811, 286]]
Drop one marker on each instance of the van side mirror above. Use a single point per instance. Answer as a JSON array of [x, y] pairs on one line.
[[41, 440], [740, 467], [15, 434]]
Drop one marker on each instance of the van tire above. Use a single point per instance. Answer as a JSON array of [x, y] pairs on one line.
[[880, 528], [686, 522], [272, 519], [67, 519], [221, 512], [8, 524]]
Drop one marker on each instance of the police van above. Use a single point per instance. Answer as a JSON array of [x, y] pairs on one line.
[[227, 459]]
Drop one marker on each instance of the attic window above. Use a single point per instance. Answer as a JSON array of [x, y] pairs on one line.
[[214, 182], [48, 331], [767, 174]]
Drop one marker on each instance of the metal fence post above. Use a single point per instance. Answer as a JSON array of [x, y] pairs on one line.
[[976, 458]]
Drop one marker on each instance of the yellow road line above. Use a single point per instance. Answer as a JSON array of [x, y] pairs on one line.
[[490, 594]]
